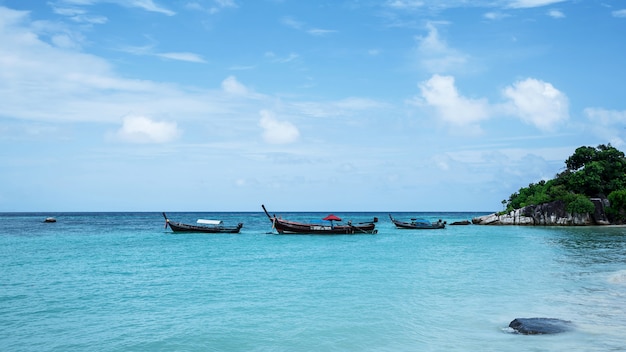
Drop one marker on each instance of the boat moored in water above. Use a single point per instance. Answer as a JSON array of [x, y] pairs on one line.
[[418, 224], [205, 226], [287, 227]]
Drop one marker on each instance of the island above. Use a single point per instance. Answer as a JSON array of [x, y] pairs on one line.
[[590, 191]]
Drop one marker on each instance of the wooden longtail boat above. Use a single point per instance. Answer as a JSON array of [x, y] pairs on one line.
[[211, 226], [418, 224], [287, 227]]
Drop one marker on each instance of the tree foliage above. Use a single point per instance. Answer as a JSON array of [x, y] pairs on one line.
[[589, 172], [618, 204], [580, 204]]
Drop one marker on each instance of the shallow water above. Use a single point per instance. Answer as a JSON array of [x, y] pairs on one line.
[[121, 282]]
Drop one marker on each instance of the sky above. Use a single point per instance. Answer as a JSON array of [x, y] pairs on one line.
[[320, 105]]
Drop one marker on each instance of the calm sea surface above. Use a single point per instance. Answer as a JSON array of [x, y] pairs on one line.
[[121, 282]]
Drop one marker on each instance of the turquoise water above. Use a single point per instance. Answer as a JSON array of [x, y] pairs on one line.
[[121, 282]]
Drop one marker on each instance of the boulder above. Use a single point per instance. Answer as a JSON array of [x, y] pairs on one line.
[[539, 326], [490, 219]]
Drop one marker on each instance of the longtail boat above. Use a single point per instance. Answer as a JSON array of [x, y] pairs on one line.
[[287, 227], [205, 226], [418, 224]]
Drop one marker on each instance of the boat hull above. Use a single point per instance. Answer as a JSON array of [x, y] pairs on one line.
[[294, 228], [180, 227]]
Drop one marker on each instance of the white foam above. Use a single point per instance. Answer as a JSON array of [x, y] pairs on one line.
[[618, 277]]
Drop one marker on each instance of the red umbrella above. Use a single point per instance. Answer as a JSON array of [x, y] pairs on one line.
[[332, 217]]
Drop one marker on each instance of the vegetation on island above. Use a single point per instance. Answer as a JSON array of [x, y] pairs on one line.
[[589, 173]]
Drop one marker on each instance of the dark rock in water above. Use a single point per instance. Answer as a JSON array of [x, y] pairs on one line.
[[538, 326], [464, 222]]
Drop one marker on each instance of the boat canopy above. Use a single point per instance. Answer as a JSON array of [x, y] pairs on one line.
[[332, 217], [209, 222]]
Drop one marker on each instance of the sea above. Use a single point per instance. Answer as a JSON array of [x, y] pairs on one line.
[[124, 282]]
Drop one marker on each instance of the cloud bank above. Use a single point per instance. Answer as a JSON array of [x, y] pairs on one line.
[[533, 101]]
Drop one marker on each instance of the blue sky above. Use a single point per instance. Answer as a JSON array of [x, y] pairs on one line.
[[222, 105]]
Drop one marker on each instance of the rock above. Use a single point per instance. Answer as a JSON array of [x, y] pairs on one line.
[[548, 214], [464, 222], [539, 326], [486, 219], [599, 215]]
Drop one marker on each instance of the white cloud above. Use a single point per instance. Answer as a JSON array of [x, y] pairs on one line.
[[495, 15], [140, 129], [69, 85], [608, 124], [556, 14], [533, 101], [619, 13], [222, 4], [292, 23], [404, 4], [275, 58], [275, 131], [434, 55], [217, 6], [232, 86], [519, 4], [606, 117], [147, 5], [149, 50], [320, 32], [78, 15], [538, 103], [65, 41], [441, 93], [432, 42], [301, 26], [189, 57]]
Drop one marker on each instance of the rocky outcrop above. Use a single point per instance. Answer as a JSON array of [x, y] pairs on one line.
[[548, 214], [540, 326]]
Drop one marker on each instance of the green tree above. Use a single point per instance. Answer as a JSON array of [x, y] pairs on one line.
[[580, 158], [617, 209], [580, 205], [594, 171]]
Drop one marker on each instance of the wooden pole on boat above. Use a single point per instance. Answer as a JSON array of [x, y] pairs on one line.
[[166, 220]]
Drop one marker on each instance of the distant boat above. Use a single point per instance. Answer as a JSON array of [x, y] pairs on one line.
[[205, 226], [50, 219], [287, 227], [418, 224]]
